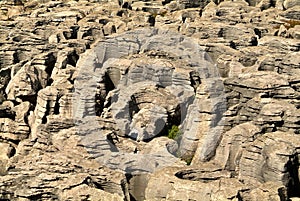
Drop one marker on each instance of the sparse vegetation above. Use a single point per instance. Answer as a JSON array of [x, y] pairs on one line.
[[174, 133], [188, 160]]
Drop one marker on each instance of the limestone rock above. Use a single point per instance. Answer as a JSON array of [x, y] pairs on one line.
[[30, 79], [232, 145], [90, 89], [14, 126], [292, 13], [7, 151], [279, 167], [50, 176], [290, 3], [148, 123], [295, 32]]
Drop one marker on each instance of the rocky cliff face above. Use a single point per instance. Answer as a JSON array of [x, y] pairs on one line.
[[150, 100]]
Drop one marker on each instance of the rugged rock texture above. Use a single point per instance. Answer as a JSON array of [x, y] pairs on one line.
[[149, 100]]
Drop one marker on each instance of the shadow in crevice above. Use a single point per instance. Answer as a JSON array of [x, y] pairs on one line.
[[100, 99], [293, 184]]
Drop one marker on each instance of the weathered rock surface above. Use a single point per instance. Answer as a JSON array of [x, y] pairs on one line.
[[90, 90]]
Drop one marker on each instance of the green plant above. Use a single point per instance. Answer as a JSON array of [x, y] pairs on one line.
[[188, 160], [174, 132]]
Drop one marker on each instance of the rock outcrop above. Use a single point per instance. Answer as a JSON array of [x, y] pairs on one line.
[[149, 100]]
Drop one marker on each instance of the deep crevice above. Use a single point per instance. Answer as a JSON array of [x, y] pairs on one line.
[[44, 119], [50, 63], [166, 2], [16, 58], [221, 33], [133, 107], [257, 32], [87, 33], [99, 104], [111, 141], [56, 107], [12, 152], [195, 80], [254, 41], [72, 33], [30, 98], [151, 20], [232, 45], [293, 184], [127, 6], [100, 99], [175, 119], [120, 13], [103, 21], [73, 58]]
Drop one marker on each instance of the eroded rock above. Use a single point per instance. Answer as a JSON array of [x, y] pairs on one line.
[[86, 108]]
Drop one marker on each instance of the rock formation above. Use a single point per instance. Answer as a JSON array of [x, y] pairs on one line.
[[149, 100]]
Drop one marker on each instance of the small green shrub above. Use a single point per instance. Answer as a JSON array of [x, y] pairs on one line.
[[174, 132], [188, 160]]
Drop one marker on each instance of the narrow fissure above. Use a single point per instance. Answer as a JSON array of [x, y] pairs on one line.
[[293, 185], [44, 119]]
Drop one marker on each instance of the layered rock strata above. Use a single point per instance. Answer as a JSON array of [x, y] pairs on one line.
[[156, 100]]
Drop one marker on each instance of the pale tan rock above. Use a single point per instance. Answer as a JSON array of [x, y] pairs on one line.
[[295, 32], [250, 154], [6, 152], [14, 11], [282, 31], [81, 191], [267, 191], [277, 149], [109, 29], [264, 4], [233, 142], [53, 39], [290, 3], [174, 187], [209, 10]]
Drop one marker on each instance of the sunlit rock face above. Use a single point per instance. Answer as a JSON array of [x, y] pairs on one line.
[[149, 100], [148, 81]]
